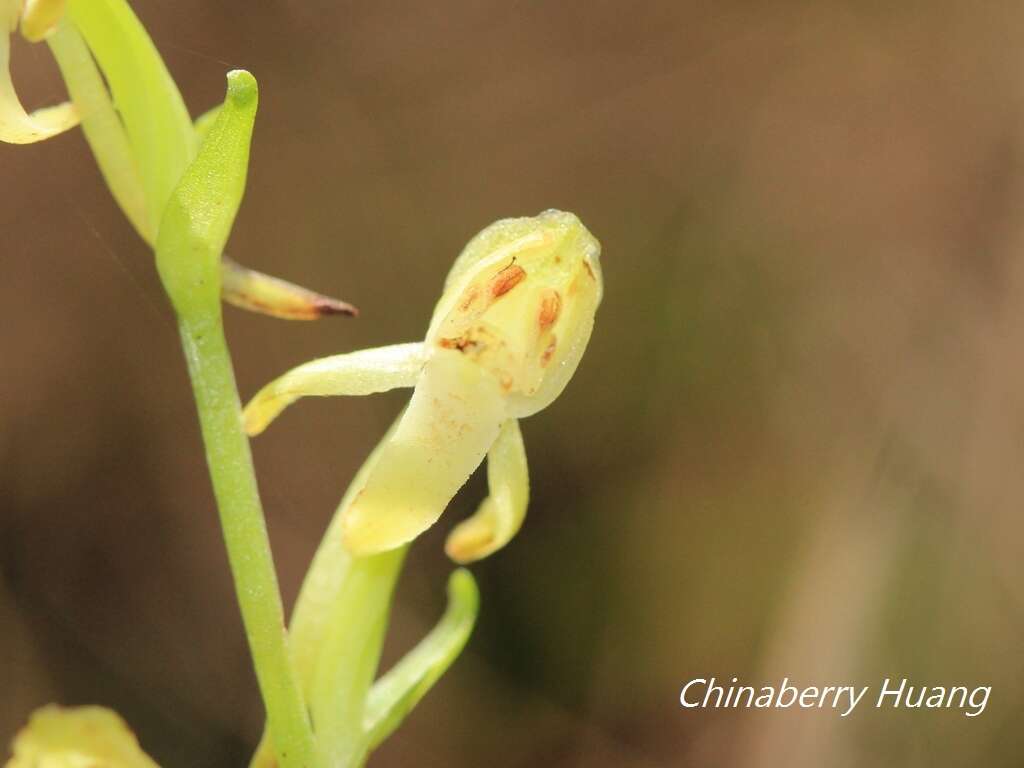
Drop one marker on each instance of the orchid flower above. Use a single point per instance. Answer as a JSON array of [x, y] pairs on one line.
[[75, 737], [505, 338], [16, 125]]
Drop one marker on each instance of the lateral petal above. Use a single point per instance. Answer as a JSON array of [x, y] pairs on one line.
[[500, 516]]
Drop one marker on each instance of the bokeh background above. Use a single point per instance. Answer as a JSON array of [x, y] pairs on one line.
[[794, 448]]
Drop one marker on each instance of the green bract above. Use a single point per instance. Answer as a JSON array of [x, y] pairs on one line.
[[198, 216]]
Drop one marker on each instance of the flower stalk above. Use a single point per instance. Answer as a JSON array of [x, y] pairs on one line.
[[245, 534], [194, 229]]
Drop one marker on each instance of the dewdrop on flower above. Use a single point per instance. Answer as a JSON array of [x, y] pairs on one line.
[[506, 336]]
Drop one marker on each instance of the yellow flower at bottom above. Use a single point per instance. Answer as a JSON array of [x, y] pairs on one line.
[[79, 737]]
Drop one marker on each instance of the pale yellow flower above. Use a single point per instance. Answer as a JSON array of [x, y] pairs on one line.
[[38, 18], [505, 338]]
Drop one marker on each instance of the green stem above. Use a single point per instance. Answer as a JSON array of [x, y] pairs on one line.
[[245, 533]]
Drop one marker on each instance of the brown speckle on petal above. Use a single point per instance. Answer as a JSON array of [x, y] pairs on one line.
[[549, 352], [462, 343], [506, 280], [550, 307], [469, 297]]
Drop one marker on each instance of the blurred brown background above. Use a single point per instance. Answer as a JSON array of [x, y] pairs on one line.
[[795, 447]]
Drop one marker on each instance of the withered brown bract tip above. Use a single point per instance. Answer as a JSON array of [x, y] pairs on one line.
[[326, 306], [267, 295]]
